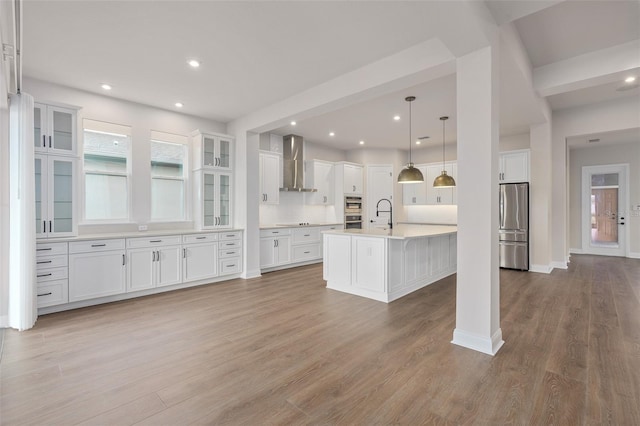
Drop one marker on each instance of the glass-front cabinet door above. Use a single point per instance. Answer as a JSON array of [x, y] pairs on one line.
[[216, 200], [54, 129], [41, 194], [224, 200], [61, 196], [209, 151], [224, 153], [39, 127], [209, 200]]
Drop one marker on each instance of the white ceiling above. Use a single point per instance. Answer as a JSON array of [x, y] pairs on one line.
[[606, 138], [256, 53], [590, 95]]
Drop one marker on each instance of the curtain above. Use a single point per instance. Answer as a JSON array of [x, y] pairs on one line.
[[23, 310]]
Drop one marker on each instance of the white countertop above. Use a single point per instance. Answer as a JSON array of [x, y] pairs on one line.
[[400, 232], [116, 235], [294, 225]]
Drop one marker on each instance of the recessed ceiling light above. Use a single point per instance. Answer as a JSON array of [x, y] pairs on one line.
[[396, 117], [629, 79], [179, 104], [105, 86], [293, 123], [193, 63], [332, 134], [361, 142], [417, 142]]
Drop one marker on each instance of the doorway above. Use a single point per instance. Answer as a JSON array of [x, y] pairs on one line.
[[604, 209], [379, 186]]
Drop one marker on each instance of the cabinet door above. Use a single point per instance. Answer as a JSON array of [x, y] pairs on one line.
[[368, 260], [62, 130], [321, 178], [41, 195], [416, 193], [93, 275], [267, 252], [208, 151], [208, 200], [514, 167], [353, 179], [283, 250], [269, 179], [169, 266], [438, 196], [199, 262], [61, 196], [223, 201], [358, 179], [223, 153], [40, 127], [141, 269]]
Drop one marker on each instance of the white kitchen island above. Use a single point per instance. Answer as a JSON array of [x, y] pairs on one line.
[[385, 265]]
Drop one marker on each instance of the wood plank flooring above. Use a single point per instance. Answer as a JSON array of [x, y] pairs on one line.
[[282, 349]]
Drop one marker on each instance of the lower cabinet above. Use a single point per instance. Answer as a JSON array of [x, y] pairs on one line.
[[230, 253], [52, 274], [154, 262], [369, 268], [96, 269], [199, 261], [275, 251]]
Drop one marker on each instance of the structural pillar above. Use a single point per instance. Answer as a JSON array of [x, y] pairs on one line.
[[478, 280], [540, 198]]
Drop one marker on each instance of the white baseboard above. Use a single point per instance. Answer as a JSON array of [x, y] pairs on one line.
[[254, 273], [542, 269], [559, 265], [4, 321], [576, 251], [487, 345], [634, 255]]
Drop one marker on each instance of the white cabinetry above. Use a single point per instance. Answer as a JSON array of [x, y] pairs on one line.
[[199, 257], [440, 196], [305, 244], [368, 271], [96, 268], [352, 178], [416, 193], [154, 262], [212, 199], [55, 196], [275, 247], [212, 151], [230, 252], [514, 166], [319, 175], [52, 274], [269, 178], [54, 129]]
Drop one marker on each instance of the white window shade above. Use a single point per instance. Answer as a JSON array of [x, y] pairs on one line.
[[168, 177]]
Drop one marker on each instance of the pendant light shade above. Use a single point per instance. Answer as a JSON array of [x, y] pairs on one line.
[[410, 174], [444, 180]]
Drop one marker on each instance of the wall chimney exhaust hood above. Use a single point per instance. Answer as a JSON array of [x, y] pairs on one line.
[[293, 164]]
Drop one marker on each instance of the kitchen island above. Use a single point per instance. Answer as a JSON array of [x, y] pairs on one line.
[[385, 265]]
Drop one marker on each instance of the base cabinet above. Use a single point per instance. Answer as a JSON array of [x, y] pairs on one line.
[[275, 251], [369, 269], [199, 261], [96, 274]]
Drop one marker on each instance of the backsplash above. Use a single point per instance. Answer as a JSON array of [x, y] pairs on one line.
[[432, 214], [293, 210]]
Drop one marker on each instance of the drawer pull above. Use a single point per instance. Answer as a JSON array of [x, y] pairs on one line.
[[45, 294], [155, 241], [43, 261], [231, 266], [44, 275], [231, 252], [307, 235], [307, 252], [200, 238], [44, 249], [230, 244], [98, 245], [230, 236]]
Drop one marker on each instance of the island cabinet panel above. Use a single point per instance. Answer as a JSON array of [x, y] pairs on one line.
[[369, 272], [337, 253], [416, 260]]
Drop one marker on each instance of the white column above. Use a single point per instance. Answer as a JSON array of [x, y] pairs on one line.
[[478, 281], [540, 198]]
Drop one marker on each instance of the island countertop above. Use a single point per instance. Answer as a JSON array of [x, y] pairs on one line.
[[400, 232]]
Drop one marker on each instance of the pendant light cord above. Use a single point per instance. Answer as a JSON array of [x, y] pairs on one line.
[[410, 162], [443, 144]]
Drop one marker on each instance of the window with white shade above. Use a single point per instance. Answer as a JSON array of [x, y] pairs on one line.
[[168, 177], [107, 171]]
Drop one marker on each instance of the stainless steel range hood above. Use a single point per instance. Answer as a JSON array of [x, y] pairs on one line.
[[293, 164]]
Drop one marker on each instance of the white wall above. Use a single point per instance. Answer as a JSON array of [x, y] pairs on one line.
[[142, 119], [628, 153], [601, 117]]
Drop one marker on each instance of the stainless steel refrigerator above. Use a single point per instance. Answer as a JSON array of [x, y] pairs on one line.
[[514, 226]]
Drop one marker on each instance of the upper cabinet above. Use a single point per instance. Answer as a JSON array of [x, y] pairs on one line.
[[212, 193], [514, 166], [440, 196], [54, 129], [319, 175], [416, 193], [212, 151], [269, 178], [352, 177]]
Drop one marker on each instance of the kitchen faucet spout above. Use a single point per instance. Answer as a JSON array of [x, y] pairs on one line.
[[390, 211]]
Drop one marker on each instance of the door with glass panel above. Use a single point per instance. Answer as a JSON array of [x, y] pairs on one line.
[[216, 200], [54, 129], [604, 195], [223, 200], [54, 196]]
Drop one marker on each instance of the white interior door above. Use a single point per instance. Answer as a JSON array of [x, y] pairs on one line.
[[379, 186], [604, 209]]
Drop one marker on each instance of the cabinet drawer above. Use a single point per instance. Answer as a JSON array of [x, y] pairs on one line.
[[95, 245], [170, 240], [233, 252], [274, 232], [53, 293], [47, 262], [223, 245], [306, 252], [305, 235], [199, 238], [230, 235], [52, 274], [51, 249], [232, 265]]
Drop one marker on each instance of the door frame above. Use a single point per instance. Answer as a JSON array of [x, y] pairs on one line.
[[623, 203]]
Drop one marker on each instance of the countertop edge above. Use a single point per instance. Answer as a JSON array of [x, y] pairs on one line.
[[141, 234]]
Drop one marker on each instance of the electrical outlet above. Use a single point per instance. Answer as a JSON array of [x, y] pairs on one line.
[[635, 213], [142, 227]]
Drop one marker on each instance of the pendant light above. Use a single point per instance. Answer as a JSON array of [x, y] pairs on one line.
[[410, 174], [444, 180]]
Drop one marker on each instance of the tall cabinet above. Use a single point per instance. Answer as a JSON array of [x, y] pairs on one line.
[[213, 180], [55, 140]]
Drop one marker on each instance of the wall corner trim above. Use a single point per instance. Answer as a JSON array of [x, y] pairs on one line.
[[633, 255], [542, 269], [488, 345], [559, 265]]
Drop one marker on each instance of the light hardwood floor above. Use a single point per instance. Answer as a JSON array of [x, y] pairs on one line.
[[282, 349]]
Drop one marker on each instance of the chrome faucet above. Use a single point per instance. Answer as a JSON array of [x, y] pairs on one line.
[[390, 211]]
